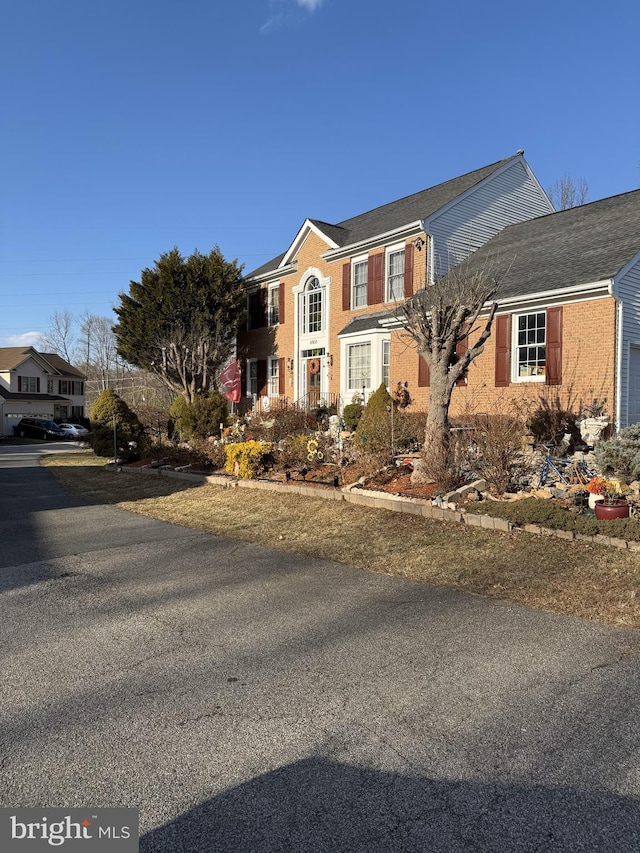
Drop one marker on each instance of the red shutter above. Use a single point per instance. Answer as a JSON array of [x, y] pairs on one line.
[[375, 279], [281, 375], [262, 377], [19, 383], [554, 346], [461, 349], [503, 350], [408, 271], [346, 286], [423, 373], [281, 303]]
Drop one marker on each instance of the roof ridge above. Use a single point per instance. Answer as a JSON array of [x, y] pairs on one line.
[[432, 187]]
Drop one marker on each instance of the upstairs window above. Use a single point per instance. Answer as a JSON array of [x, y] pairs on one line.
[[256, 309], [28, 384], [360, 271], [273, 310], [312, 306], [394, 291]]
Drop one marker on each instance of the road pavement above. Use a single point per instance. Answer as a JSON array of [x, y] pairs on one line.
[[251, 700]]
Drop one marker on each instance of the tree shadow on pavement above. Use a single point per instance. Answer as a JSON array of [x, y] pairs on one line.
[[321, 805]]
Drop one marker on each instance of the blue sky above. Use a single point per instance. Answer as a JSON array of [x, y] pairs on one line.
[[129, 127]]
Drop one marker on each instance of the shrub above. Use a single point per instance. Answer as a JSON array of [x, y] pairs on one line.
[[248, 459], [130, 435], [549, 423], [200, 418], [374, 430], [498, 438], [621, 455], [351, 414], [279, 423]]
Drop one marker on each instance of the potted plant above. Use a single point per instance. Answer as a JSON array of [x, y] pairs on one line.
[[593, 420], [606, 498]]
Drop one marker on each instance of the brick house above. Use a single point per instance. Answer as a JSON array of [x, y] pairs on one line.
[[318, 313], [38, 385], [568, 321]]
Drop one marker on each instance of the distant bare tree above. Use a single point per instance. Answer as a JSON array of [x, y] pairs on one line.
[[60, 337], [97, 344], [567, 192]]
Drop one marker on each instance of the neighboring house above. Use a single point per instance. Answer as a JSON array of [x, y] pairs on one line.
[[568, 322], [317, 314], [37, 385]]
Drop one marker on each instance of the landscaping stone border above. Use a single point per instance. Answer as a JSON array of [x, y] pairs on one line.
[[358, 496]]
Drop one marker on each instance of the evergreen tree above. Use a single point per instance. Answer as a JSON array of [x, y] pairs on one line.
[[130, 434], [180, 320]]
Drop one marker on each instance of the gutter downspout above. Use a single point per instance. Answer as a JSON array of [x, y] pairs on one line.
[[430, 270], [618, 410], [617, 414]]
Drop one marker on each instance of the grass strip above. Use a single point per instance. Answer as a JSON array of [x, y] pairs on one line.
[[571, 578]]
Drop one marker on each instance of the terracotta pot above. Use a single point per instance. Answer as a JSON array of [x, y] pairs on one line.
[[617, 510]]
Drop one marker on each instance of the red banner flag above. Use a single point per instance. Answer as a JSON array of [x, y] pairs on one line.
[[230, 381]]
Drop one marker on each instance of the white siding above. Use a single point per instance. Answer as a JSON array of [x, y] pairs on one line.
[[510, 196], [627, 290]]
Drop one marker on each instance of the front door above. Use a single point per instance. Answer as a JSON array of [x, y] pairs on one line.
[[313, 381]]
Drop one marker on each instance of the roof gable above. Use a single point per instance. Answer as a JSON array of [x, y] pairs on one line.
[[309, 226]]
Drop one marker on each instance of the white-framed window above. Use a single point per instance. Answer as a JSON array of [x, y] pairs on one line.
[[49, 386], [359, 279], [394, 274], [386, 362], [252, 377], [358, 366], [273, 378], [529, 347], [28, 384], [312, 306], [273, 307]]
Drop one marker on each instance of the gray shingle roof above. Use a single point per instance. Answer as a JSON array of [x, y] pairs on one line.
[[581, 245], [395, 214], [365, 322]]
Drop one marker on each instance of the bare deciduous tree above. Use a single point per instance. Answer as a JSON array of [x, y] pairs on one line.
[[60, 337], [567, 192], [442, 320]]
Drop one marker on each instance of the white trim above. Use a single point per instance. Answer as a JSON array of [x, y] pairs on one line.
[[307, 228], [392, 249], [358, 259], [275, 286], [617, 414], [404, 231], [277, 273], [516, 379], [530, 302]]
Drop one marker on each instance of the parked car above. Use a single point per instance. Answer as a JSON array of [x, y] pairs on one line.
[[74, 431], [38, 428]]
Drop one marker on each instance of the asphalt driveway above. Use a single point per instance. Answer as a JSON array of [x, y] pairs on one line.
[[248, 700]]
